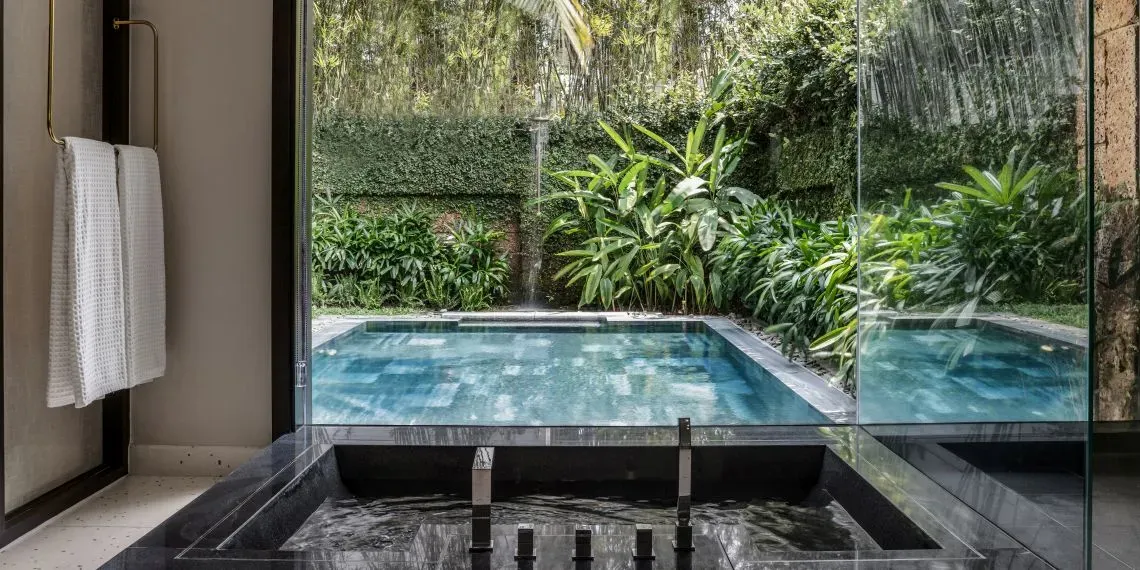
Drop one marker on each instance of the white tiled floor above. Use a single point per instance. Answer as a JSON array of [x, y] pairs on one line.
[[92, 532]]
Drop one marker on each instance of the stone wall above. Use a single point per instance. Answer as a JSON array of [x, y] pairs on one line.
[[1115, 147]]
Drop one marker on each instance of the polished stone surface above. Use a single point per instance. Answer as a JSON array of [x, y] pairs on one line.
[[1028, 479], [195, 537]]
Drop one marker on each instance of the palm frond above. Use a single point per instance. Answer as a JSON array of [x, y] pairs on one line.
[[571, 18]]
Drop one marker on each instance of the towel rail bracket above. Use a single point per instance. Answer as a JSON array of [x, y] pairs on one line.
[[116, 24]]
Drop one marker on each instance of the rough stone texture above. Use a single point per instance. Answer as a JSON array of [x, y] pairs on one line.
[[1117, 112], [1114, 140], [1113, 14]]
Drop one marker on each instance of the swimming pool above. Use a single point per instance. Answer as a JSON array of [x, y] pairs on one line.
[[980, 373], [546, 373]]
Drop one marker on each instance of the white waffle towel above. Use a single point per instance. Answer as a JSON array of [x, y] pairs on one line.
[[86, 349], [144, 264]]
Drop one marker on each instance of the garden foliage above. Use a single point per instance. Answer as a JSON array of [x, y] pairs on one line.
[[669, 185], [656, 234], [368, 261], [1014, 235]]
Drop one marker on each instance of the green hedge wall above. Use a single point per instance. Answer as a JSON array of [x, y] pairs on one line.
[[485, 165], [815, 171], [421, 156], [892, 164], [898, 155]]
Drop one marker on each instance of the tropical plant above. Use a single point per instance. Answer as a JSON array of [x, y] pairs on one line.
[[474, 270], [1014, 235], [797, 276], [1002, 188], [1018, 237], [368, 261], [647, 218]]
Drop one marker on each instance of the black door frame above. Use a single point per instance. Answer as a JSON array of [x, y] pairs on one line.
[[289, 167], [116, 407]]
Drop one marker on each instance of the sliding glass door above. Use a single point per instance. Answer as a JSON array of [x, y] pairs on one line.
[[974, 219]]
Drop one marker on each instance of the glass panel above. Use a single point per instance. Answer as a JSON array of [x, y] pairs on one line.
[[467, 153], [973, 319], [1116, 404], [43, 447]]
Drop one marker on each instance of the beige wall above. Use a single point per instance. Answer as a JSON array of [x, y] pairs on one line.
[[215, 157], [42, 447]]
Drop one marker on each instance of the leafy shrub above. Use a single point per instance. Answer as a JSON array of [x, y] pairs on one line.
[[797, 275], [473, 274], [369, 261], [646, 222], [1011, 236], [1015, 235]]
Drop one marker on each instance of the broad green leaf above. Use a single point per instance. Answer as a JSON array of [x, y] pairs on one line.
[[560, 223], [707, 227], [967, 190], [618, 227], [620, 140], [605, 167], [1025, 181], [987, 182], [693, 147], [686, 188], [714, 159], [746, 197], [628, 187], [664, 271], [659, 140], [577, 253], [590, 292]]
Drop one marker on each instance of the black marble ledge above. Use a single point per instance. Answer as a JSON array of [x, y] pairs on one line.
[[984, 432], [827, 399], [474, 436], [1021, 516], [196, 519], [1041, 330]]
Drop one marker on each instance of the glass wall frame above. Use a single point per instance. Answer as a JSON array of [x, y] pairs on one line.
[[976, 221]]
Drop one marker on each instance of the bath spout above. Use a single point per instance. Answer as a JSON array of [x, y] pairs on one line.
[[643, 543], [683, 542], [481, 499], [583, 544]]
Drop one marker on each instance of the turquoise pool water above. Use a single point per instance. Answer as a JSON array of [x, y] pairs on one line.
[[441, 374], [969, 375]]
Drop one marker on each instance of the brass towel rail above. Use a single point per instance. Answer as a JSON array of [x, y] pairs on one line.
[[115, 24]]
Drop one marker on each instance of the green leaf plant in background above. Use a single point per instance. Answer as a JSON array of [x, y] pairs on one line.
[[647, 218], [1018, 237], [369, 261]]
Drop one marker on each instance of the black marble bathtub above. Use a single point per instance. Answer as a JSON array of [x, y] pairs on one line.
[[395, 498]]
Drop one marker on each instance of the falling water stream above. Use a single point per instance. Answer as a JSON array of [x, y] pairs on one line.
[[532, 238]]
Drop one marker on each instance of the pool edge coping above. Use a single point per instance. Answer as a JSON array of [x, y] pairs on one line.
[[1044, 331]]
